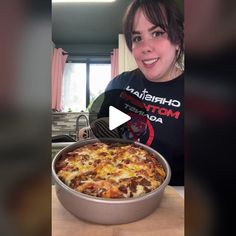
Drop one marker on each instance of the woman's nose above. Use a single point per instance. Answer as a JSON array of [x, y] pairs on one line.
[[146, 46]]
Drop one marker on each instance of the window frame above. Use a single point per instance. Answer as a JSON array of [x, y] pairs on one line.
[[88, 60]]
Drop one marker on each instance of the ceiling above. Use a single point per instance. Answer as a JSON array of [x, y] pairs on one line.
[[87, 23]]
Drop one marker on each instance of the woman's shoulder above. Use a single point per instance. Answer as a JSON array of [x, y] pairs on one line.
[[123, 79], [128, 74]]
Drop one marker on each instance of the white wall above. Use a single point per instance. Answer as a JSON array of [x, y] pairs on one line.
[[126, 59]]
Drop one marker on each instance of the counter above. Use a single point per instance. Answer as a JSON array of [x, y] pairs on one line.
[[167, 220]]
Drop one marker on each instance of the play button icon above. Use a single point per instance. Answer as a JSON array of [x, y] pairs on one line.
[[118, 114], [117, 118]]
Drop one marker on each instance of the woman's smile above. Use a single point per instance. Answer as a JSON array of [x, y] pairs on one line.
[[149, 63]]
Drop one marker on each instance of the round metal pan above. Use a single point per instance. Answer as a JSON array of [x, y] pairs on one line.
[[103, 210]]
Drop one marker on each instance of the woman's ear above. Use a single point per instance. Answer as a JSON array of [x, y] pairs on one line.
[[177, 50]]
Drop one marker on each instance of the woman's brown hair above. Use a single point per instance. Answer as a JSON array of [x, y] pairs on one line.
[[163, 13]]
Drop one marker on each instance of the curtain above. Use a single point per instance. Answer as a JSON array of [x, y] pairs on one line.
[[58, 65], [114, 63]]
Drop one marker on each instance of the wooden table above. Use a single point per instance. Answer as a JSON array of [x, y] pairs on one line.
[[167, 220]]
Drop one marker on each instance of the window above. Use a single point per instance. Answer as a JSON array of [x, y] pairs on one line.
[[74, 87], [82, 83], [99, 77]]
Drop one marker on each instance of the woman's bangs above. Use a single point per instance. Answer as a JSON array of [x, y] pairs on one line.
[[156, 15]]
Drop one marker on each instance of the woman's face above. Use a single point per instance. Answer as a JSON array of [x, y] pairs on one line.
[[154, 53]]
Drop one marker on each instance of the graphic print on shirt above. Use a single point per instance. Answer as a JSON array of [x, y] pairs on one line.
[[153, 109], [158, 110]]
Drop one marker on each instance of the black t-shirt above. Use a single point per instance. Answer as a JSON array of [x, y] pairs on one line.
[[164, 103]]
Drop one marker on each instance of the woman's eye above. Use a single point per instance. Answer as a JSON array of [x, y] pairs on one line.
[[157, 33], [136, 39]]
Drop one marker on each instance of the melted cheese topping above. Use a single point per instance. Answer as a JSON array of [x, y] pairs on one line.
[[111, 170]]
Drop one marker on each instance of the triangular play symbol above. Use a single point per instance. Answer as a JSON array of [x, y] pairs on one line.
[[116, 118]]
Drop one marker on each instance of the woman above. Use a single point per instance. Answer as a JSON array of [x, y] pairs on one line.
[[153, 32]]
